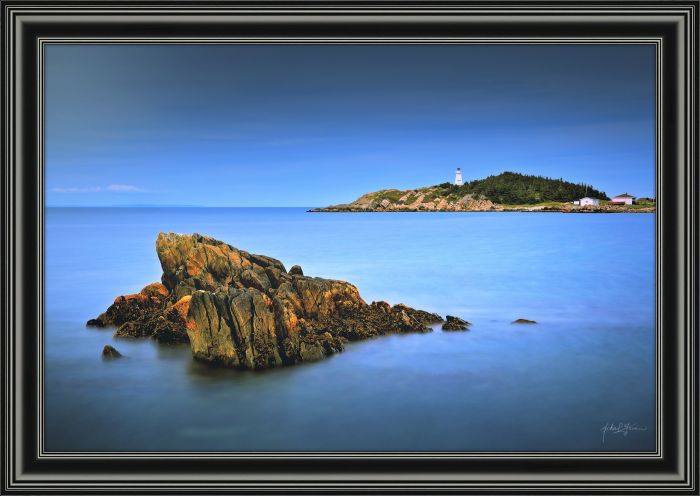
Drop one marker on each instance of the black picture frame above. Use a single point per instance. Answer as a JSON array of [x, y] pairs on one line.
[[27, 25]]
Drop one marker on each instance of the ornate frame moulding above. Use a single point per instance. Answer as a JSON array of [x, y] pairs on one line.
[[28, 26]]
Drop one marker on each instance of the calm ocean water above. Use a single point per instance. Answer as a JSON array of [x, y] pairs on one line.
[[587, 279]]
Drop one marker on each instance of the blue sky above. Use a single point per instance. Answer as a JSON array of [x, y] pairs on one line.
[[304, 125]]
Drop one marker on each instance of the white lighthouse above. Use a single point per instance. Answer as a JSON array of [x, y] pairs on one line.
[[458, 177]]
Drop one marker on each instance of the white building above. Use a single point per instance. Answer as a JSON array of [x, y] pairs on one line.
[[458, 177], [589, 201], [623, 199]]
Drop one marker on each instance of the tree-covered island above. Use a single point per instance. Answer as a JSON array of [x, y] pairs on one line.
[[508, 191]]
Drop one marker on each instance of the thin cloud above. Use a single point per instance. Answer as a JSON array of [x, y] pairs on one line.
[[124, 188], [112, 188]]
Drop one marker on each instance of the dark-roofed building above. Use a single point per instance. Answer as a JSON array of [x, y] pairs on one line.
[[623, 199]]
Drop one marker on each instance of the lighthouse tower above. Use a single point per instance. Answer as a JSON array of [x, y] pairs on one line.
[[458, 177]]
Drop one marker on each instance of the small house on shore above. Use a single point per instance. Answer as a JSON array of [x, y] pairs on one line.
[[588, 201], [623, 199]]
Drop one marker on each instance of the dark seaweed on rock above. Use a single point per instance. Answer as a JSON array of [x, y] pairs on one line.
[[243, 310]]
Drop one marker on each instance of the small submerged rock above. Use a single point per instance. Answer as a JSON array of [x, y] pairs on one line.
[[523, 321], [455, 324], [110, 352]]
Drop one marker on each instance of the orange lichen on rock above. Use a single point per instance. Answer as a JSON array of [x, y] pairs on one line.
[[136, 297], [215, 251], [191, 326], [183, 306], [194, 267], [235, 258], [156, 289]]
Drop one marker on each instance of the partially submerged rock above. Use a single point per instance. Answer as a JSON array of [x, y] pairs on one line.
[[110, 352], [244, 310], [523, 321], [455, 324], [143, 314]]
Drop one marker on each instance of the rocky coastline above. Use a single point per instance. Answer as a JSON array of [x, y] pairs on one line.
[[492, 207], [246, 311], [471, 203]]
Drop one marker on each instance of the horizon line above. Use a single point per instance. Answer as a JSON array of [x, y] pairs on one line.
[[166, 205]]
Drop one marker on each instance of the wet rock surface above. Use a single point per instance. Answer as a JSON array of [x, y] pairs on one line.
[[246, 311]]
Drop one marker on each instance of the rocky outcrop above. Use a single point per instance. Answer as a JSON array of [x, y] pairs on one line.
[[455, 324], [147, 313], [430, 199], [296, 271], [475, 203], [246, 311]]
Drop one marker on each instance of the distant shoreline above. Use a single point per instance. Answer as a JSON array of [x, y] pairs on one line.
[[505, 192], [518, 210]]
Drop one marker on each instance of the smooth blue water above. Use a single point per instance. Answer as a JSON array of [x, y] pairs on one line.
[[587, 279]]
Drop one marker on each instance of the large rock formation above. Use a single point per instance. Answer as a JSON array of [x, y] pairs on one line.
[[243, 310]]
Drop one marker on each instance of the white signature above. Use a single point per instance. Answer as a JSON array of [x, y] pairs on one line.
[[623, 428]]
